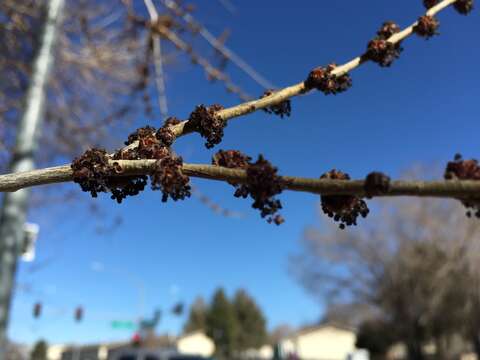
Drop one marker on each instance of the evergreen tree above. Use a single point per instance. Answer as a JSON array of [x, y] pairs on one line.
[[222, 325], [197, 316], [39, 351], [252, 332]]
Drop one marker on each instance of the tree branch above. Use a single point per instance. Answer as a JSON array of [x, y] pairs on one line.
[[446, 189], [464, 189], [298, 89]]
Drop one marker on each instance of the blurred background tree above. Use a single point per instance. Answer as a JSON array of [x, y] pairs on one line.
[[414, 271], [235, 325], [252, 333], [222, 325], [196, 316], [39, 351]]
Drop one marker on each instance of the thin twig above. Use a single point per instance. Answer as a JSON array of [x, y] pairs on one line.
[[211, 70], [214, 206], [228, 5], [446, 189], [225, 51]]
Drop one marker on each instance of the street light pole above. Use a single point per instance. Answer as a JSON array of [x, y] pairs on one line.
[[14, 210]]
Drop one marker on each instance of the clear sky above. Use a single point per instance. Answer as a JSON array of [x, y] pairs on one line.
[[423, 109]]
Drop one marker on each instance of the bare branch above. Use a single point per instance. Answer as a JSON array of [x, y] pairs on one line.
[[458, 189], [298, 89], [211, 70], [225, 51]]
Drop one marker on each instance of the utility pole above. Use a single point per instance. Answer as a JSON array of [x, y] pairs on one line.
[[15, 205]]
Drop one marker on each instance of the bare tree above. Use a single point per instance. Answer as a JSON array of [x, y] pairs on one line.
[[410, 268]]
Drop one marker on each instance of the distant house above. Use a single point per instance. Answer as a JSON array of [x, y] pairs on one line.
[[328, 341], [86, 352], [195, 343], [54, 352]]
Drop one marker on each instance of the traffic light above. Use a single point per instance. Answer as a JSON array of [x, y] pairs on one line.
[[136, 340], [37, 310], [78, 314], [177, 309]]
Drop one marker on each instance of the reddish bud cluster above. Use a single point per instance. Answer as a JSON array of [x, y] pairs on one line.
[[383, 52], [124, 186], [171, 121], [281, 109], [342, 208], [427, 26], [388, 29], [150, 146], [460, 169], [169, 178], [376, 183], [380, 50], [91, 171], [463, 6], [232, 159], [140, 133], [165, 136], [210, 126], [94, 173], [262, 183], [323, 80], [430, 3]]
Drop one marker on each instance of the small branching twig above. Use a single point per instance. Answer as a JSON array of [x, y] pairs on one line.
[[212, 72], [215, 43]]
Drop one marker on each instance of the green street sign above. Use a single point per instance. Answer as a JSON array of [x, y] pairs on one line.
[[119, 324]]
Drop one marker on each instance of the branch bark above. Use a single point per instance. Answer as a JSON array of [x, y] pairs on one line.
[[459, 189]]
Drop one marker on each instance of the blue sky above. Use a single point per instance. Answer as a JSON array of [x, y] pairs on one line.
[[423, 109]]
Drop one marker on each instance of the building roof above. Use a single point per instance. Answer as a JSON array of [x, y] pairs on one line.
[[330, 324], [191, 333]]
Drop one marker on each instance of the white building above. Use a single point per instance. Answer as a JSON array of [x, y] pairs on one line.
[[323, 342], [195, 343], [54, 352]]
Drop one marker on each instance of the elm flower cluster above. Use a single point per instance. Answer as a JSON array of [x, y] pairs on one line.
[[342, 208], [262, 183], [210, 126], [322, 79], [382, 51], [460, 169], [281, 109]]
